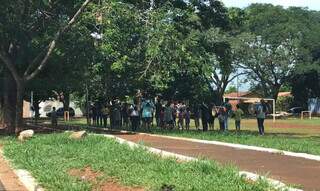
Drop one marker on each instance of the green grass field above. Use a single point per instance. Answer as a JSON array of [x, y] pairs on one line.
[[291, 134], [50, 157]]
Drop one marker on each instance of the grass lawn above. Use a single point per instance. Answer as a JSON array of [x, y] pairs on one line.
[[279, 141], [50, 157], [291, 134]]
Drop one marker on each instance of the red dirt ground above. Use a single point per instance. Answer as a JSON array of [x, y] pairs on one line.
[[87, 174], [9, 180]]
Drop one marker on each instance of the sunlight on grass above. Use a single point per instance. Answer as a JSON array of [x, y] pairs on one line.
[[49, 157]]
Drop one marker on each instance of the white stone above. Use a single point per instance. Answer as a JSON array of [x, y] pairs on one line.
[[78, 135], [27, 134]]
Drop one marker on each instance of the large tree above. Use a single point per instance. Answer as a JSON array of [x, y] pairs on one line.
[[276, 42], [29, 33]]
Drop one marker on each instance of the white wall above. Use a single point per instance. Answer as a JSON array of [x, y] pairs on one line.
[[46, 107]]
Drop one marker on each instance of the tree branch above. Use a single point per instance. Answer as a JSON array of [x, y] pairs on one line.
[[144, 73], [53, 43], [8, 63], [232, 78], [34, 62]]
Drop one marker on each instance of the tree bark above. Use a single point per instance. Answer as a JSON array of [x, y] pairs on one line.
[[13, 120], [9, 103], [66, 101], [275, 92], [19, 106]]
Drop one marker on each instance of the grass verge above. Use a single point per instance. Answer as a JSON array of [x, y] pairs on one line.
[[285, 142], [49, 157], [304, 140]]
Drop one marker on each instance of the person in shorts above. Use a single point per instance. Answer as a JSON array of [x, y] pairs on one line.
[[147, 111], [237, 117]]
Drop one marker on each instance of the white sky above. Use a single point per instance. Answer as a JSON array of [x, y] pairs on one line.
[[311, 4]]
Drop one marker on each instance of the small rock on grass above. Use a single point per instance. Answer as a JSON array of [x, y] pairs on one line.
[[78, 135], [27, 134]]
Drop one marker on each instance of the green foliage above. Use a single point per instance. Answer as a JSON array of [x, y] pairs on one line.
[[284, 103], [231, 89], [283, 43], [50, 157]]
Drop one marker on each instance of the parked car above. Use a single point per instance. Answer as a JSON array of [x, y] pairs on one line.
[[280, 114], [296, 111], [60, 112]]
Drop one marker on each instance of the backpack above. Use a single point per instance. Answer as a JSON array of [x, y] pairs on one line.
[[265, 108], [228, 107]]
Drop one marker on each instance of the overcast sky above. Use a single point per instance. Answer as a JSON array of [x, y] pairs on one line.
[[311, 4]]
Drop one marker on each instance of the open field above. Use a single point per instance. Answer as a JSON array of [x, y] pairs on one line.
[[296, 126], [55, 160]]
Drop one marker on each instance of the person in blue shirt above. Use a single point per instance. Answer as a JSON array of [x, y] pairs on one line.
[[147, 112], [261, 111], [228, 110]]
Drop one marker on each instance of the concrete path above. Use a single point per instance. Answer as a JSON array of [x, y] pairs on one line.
[[290, 170]]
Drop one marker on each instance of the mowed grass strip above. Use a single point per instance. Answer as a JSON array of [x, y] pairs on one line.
[[50, 157], [280, 141], [304, 140]]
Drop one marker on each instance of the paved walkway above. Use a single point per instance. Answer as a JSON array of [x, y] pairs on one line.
[[8, 180], [1, 186], [290, 170]]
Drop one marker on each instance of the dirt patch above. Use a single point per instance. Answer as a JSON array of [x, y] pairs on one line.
[[87, 174]]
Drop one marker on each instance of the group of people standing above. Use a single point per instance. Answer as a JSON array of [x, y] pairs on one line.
[[209, 112], [171, 114], [115, 111]]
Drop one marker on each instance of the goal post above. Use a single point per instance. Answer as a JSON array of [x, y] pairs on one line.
[[255, 100]]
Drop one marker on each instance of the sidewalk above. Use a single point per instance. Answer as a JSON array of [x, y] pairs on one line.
[[287, 169], [8, 179]]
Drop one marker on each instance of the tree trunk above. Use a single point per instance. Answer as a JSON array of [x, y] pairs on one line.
[[8, 103], [66, 104], [1, 112], [220, 92], [66, 101], [275, 92], [19, 106]]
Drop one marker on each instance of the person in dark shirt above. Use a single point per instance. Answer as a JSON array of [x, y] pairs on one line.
[[125, 115], [196, 115], [158, 112], [94, 115], [187, 118], [204, 116], [54, 118]]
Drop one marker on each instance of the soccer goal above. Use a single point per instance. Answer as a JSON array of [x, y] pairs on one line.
[[254, 100]]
